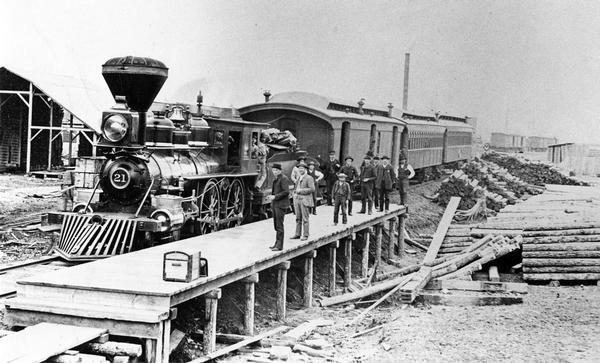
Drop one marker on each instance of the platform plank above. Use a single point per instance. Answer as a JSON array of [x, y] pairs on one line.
[[232, 254], [48, 340]]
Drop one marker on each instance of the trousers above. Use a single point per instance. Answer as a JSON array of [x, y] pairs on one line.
[[384, 199], [302, 215], [278, 215], [376, 193], [340, 202], [366, 192]]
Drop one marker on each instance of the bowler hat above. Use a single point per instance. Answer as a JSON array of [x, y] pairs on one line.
[[300, 158], [376, 158], [341, 175], [276, 166], [332, 152], [302, 165], [385, 157], [348, 157]]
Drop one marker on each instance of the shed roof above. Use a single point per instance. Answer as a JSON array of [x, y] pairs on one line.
[[82, 98]]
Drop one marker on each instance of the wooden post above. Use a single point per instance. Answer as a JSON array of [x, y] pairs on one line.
[[51, 106], [365, 253], [70, 137], [307, 284], [378, 242], [401, 224], [29, 124], [166, 341], [249, 284], [281, 289], [332, 266], [210, 327], [150, 350], [347, 263], [95, 141], [391, 240]]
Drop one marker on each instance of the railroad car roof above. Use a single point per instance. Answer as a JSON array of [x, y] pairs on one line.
[[322, 107], [456, 125]]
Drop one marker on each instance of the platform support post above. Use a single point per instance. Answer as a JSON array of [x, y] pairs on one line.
[[150, 350], [332, 266], [401, 225], [282, 269], [378, 241], [210, 327], [391, 240], [347, 263], [307, 283], [365, 253], [249, 285]]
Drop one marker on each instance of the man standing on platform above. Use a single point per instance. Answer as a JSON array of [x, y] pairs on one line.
[[376, 190], [386, 177], [303, 201], [351, 177], [330, 169], [405, 172], [280, 203], [367, 179]]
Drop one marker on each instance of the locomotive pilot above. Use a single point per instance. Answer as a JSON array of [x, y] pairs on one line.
[[384, 183], [351, 177], [367, 180], [303, 201]]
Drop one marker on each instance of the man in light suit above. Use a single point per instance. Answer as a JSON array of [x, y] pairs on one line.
[[303, 201]]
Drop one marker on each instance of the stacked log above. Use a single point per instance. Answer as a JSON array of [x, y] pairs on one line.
[[531, 171], [460, 185]]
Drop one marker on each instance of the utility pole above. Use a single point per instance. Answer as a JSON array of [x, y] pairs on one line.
[[406, 68]]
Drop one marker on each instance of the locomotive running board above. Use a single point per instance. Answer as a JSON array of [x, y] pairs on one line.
[[84, 237]]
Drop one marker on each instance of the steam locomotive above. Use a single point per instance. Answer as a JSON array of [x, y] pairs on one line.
[[164, 175]]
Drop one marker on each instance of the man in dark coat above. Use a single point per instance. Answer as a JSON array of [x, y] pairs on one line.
[[330, 169], [367, 180], [405, 172], [341, 194], [376, 190], [351, 178], [280, 202], [386, 178]]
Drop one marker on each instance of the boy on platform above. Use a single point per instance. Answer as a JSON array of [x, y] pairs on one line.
[[341, 192]]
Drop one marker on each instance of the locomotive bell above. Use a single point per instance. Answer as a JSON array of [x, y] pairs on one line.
[[134, 83]]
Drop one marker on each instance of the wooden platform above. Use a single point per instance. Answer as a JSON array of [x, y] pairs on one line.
[[42, 341], [127, 295]]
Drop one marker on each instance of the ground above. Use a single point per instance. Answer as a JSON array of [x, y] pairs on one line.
[[553, 324]]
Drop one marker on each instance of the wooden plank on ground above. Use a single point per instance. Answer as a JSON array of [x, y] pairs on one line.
[[440, 233], [482, 286], [48, 340], [464, 299]]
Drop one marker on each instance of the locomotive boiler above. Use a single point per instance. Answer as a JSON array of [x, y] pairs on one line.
[[175, 172]]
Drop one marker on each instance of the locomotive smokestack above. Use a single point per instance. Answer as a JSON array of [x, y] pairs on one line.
[[138, 79], [267, 95]]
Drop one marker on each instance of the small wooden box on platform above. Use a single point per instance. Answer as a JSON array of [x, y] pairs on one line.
[[182, 267]]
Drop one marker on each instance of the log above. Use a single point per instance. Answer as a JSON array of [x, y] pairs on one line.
[[437, 298], [401, 235], [311, 352], [367, 331], [243, 343], [586, 246], [451, 249], [114, 348], [365, 254], [332, 265], [210, 324], [450, 240], [564, 232], [281, 299], [411, 289], [413, 243], [379, 301], [384, 286], [532, 262], [307, 281], [561, 276], [561, 269], [249, 299], [401, 271], [560, 254], [486, 256], [306, 328], [562, 239], [347, 263], [481, 286]]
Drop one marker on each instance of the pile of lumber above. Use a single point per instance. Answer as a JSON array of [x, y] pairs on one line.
[[513, 183], [531, 171]]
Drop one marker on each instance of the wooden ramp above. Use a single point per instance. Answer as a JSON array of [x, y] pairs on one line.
[[42, 341], [127, 295]]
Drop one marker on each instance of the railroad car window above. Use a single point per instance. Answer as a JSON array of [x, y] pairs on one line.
[[378, 142], [219, 135], [253, 145], [372, 139]]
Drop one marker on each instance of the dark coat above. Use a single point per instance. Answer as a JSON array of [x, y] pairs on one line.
[[341, 190], [281, 191], [367, 172], [351, 173], [330, 168], [386, 177]]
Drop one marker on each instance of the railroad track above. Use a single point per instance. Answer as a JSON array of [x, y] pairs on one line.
[[11, 272]]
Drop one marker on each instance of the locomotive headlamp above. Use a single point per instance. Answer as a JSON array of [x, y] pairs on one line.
[[163, 219], [115, 128]]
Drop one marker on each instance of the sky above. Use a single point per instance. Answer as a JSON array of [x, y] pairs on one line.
[[524, 67]]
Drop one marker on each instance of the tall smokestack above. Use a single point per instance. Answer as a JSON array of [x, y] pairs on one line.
[[406, 68]]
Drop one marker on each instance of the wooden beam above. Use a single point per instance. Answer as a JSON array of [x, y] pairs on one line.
[[332, 266], [481, 286], [442, 228], [249, 298], [438, 298], [365, 253], [29, 124], [378, 242], [401, 235], [307, 283], [210, 326], [280, 308], [347, 263], [50, 135], [493, 274]]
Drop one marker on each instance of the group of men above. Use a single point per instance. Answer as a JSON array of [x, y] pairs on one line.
[[377, 179]]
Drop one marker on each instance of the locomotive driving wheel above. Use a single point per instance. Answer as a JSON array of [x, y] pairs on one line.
[[234, 205], [209, 205]]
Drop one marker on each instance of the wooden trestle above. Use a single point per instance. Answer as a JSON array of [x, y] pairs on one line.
[[127, 296]]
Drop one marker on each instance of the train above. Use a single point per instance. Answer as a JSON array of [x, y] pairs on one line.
[[170, 171], [517, 143], [429, 141], [164, 174]]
